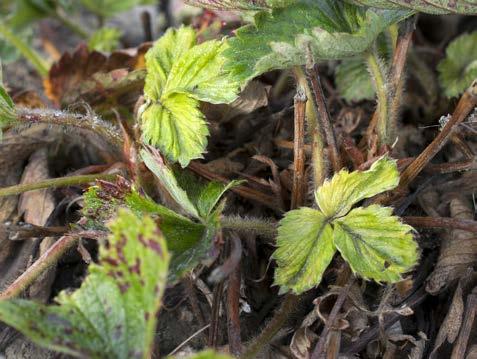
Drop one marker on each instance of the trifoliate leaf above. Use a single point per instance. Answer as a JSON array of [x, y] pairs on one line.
[[179, 75], [105, 39], [375, 244], [336, 196], [113, 314], [240, 4], [7, 109], [322, 30], [428, 6], [304, 249], [459, 68]]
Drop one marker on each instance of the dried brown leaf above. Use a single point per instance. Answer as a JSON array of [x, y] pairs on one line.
[[452, 322], [458, 250], [92, 76]]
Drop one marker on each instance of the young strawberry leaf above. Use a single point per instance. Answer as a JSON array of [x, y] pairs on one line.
[[320, 30], [180, 74], [113, 313], [375, 244], [428, 6], [336, 196], [304, 249], [459, 68]]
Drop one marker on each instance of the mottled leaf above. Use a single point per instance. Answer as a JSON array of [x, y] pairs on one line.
[[179, 75], [304, 249], [337, 195], [113, 313], [375, 244], [459, 68], [292, 36], [467, 7]]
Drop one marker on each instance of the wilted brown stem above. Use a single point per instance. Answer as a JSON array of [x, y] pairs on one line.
[[442, 223], [324, 118], [466, 104], [298, 191], [48, 259]]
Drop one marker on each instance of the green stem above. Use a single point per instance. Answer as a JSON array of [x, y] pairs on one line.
[[54, 183], [278, 321], [318, 156], [40, 65], [76, 28], [378, 73], [257, 226]]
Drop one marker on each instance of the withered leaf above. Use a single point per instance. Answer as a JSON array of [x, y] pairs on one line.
[[93, 77]]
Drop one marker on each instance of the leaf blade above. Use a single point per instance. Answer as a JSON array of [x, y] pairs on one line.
[[304, 250], [375, 244], [337, 195]]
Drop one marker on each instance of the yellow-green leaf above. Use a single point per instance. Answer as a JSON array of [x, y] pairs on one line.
[[179, 75], [304, 250], [375, 244], [336, 196], [177, 127]]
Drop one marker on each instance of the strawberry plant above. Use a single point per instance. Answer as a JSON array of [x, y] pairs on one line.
[[169, 209]]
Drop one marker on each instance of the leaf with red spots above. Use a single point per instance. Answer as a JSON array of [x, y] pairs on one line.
[[113, 314]]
